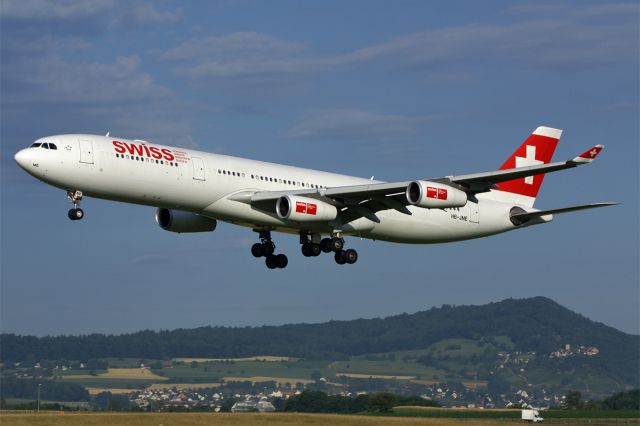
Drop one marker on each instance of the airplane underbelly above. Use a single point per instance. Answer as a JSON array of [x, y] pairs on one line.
[[427, 226]]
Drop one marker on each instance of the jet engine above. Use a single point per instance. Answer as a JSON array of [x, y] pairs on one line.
[[433, 195], [303, 209], [181, 221]]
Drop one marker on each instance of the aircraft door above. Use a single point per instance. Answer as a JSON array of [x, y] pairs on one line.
[[86, 151], [198, 168]]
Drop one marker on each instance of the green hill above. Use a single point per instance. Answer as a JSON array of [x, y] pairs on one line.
[[515, 342]]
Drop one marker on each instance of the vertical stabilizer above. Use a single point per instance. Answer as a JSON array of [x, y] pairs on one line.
[[537, 149]]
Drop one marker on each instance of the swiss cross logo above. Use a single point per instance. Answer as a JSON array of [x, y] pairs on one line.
[[591, 154], [437, 193], [535, 150], [312, 209], [306, 208], [528, 160]]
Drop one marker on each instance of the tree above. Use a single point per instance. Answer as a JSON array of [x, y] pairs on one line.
[[382, 402], [109, 401], [572, 400], [623, 401], [498, 385]]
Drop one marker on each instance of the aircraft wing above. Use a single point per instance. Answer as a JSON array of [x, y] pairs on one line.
[[365, 200], [483, 182], [354, 200]]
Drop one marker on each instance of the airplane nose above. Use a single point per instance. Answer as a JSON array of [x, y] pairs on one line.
[[22, 158]]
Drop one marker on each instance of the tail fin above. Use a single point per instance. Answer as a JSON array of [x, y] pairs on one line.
[[538, 148]]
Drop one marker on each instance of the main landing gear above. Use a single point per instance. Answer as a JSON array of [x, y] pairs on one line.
[[328, 245], [266, 248], [312, 246], [76, 213]]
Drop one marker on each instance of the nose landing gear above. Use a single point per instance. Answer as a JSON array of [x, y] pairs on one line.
[[76, 213], [266, 248]]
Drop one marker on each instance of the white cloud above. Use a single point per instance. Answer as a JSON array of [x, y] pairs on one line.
[[60, 9], [51, 79], [234, 43], [111, 12], [551, 37], [354, 124]]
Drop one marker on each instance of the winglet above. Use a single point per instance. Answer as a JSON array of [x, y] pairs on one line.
[[589, 155]]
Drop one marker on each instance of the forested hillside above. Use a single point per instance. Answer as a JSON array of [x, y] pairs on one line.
[[535, 324]]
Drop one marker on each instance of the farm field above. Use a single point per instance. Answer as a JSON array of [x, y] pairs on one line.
[[221, 419], [120, 374]]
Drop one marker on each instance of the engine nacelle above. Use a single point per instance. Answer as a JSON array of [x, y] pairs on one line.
[[303, 209], [433, 195], [181, 221]]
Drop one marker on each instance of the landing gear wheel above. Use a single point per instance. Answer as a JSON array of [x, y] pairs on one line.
[[281, 261], [256, 250], [268, 248], [76, 214], [325, 245], [337, 244], [310, 250], [271, 262], [314, 250], [351, 256], [340, 257]]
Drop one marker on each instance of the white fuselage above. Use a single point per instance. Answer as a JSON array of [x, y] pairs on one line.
[[204, 183]]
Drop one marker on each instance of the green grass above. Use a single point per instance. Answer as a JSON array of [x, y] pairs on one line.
[[127, 362], [295, 370], [387, 367]]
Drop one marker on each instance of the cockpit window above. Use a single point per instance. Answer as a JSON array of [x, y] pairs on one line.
[[45, 145], [52, 146], [35, 145]]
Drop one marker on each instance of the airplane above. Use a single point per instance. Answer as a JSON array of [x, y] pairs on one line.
[[192, 190]]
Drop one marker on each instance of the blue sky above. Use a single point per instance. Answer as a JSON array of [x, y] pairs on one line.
[[399, 90]]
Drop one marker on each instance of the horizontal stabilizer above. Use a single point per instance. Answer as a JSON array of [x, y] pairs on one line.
[[520, 217]]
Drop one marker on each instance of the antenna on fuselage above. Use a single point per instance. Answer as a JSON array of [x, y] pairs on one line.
[[107, 134]]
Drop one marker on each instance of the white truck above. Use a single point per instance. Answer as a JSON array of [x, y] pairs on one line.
[[531, 416]]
